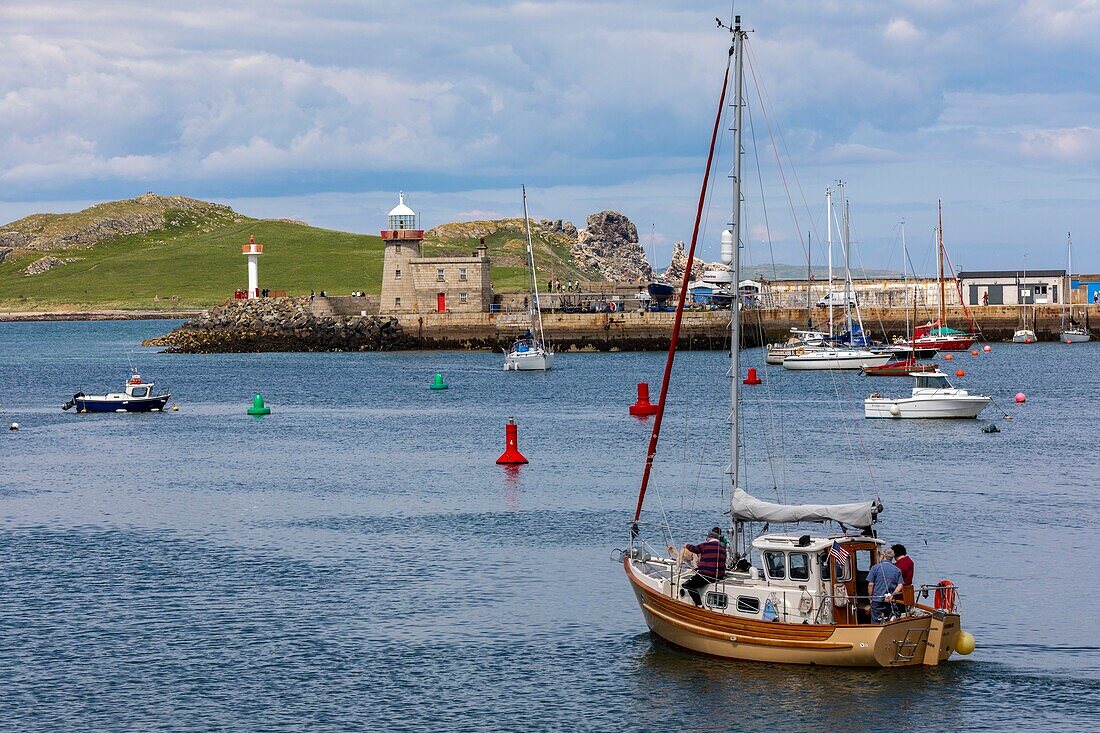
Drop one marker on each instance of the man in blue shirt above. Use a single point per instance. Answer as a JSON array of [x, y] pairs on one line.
[[884, 582]]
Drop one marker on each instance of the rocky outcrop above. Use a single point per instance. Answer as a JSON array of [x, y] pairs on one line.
[[141, 215], [6, 252], [675, 270], [280, 324], [45, 264], [609, 245]]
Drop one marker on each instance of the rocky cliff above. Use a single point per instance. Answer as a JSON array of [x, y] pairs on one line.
[[609, 245], [676, 265], [280, 324]]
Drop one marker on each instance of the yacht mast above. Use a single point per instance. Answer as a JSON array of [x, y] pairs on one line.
[[829, 230], [735, 264], [939, 237], [847, 267], [1067, 287], [537, 314], [905, 279]]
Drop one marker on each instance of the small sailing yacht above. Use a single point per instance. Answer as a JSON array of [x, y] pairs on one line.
[[529, 352], [1024, 334], [795, 598], [936, 334], [1075, 333]]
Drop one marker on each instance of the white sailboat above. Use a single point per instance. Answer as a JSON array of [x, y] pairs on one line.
[[1024, 334], [529, 352], [1075, 333], [834, 356], [792, 598]]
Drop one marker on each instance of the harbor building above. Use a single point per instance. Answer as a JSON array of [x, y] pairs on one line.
[[412, 283], [1013, 287]]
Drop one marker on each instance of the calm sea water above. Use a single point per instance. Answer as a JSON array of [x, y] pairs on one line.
[[356, 561]]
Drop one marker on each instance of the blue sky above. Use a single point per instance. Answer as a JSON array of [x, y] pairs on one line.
[[322, 111]]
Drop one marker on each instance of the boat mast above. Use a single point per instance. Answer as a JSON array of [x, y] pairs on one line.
[[685, 280], [809, 283], [846, 243], [735, 265], [1067, 287], [939, 237], [829, 229], [534, 278], [905, 282]]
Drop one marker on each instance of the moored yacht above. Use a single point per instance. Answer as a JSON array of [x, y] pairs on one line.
[[529, 352], [137, 396], [933, 397], [831, 358]]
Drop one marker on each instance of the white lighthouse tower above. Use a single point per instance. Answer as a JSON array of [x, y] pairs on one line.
[[253, 250]]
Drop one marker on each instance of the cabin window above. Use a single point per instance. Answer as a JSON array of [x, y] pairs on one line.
[[463, 297], [932, 382], [776, 564], [462, 274], [439, 274], [799, 566], [718, 600], [748, 604], [397, 274], [139, 392]]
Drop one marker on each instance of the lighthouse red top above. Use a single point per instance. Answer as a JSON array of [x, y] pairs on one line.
[[253, 247]]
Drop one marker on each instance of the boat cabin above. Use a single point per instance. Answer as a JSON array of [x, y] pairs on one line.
[[136, 388], [793, 579], [930, 382]]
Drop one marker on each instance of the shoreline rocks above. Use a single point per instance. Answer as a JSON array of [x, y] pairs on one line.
[[280, 324]]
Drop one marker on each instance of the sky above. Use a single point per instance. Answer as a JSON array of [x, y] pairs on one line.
[[322, 111]]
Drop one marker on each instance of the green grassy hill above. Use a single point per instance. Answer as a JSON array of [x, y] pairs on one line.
[[170, 253]]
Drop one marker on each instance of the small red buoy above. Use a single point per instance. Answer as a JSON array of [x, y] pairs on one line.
[[1021, 398], [960, 373], [1027, 341], [751, 378], [511, 455], [643, 407], [973, 352], [987, 348], [948, 357]]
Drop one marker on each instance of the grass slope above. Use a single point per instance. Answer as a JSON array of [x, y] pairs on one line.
[[186, 267]]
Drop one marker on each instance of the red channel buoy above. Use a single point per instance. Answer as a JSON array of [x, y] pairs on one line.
[[960, 373], [1027, 341], [1021, 398], [643, 407], [973, 352], [511, 455], [949, 357], [752, 378], [987, 348]]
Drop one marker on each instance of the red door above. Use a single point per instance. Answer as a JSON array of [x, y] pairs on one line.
[[441, 303]]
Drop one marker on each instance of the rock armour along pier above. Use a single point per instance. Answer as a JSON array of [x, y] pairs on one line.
[[281, 324], [349, 324]]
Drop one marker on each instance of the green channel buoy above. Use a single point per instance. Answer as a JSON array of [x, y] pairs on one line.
[[258, 406], [438, 382]]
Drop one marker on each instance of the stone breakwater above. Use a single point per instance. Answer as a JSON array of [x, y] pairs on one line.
[[281, 324]]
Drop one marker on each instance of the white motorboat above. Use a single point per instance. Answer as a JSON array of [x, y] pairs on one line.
[[933, 397], [1023, 336], [801, 342], [836, 359], [529, 352]]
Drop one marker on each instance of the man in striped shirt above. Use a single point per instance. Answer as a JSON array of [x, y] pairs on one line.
[[710, 568]]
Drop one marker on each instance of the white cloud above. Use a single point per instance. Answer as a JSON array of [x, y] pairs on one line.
[[900, 30]]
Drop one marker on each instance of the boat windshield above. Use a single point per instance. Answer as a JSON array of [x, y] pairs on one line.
[[523, 345], [937, 382]]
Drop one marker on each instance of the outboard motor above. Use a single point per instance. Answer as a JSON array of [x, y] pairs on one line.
[[72, 403]]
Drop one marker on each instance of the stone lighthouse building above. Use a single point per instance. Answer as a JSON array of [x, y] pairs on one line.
[[415, 284]]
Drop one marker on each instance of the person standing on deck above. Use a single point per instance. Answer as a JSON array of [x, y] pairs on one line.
[[884, 582], [904, 563], [710, 568]]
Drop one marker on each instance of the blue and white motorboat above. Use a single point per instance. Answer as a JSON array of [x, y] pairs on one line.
[[138, 396]]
